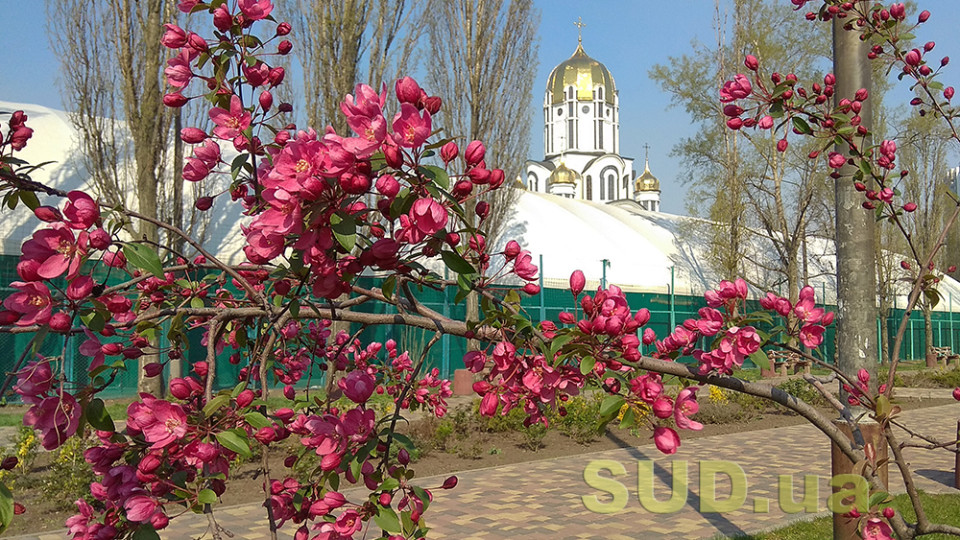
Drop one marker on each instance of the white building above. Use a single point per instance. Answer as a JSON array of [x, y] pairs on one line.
[[581, 139]]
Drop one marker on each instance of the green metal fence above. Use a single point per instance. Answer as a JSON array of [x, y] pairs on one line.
[[666, 311]]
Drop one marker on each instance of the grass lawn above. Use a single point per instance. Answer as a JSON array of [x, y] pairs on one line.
[[939, 508]]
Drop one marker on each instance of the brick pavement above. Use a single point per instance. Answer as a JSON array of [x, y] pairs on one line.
[[545, 499]]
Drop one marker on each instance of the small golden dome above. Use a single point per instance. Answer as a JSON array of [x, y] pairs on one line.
[[584, 73], [519, 183], [563, 175], [647, 181]]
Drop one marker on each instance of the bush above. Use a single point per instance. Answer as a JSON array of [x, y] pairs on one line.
[[580, 421], [70, 475], [533, 437], [804, 391]]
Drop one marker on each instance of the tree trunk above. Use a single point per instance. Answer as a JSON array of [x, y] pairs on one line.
[[928, 334]]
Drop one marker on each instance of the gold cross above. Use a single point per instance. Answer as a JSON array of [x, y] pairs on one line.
[[647, 148], [580, 24]]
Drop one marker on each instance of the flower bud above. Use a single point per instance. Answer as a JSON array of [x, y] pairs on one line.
[[266, 100], [924, 15], [60, 322], [284, 47], [474, 153], [153, 369], [408, 91], [175, 100], [245, 398], [283, 29], [531, 289], [9, 463], [48, 214], [432, 104], [222, 19], [751, 62], [483, 210], [192, 135], [577, 282], [393, 156], [450, 483], [180, 389], [910, 207], [285, 108], [204, 203], [449, 152]]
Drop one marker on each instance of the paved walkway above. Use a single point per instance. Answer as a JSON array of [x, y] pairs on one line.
[[546, 499]]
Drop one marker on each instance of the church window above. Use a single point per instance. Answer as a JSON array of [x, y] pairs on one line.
[[559, 111], [585, 109], [603, 194], [600, 92], [571, 143], [611, 183], [589, 188], [624, 183], [570, 109], [599, 134], [569, 92]]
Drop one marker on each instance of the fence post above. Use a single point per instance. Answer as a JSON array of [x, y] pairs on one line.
[[673, 303], [543, 292], [445, 339]]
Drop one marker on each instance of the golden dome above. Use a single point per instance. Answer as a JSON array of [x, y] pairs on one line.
[[584, 73], [563, 175], [647, 181]]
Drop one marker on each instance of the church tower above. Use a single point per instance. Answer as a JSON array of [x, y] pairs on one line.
[[647, 188], [581, 134]]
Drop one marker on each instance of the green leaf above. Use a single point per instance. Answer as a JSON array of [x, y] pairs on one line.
[[196, 302], [295, 308], [611, 406], [388, 520], [389, 285], [438, 175], [93, 320], [144, 257], [257, 420], [760, 359], [98, 417], [628, 420], [237, 165], [146, 532], [6, 507], [215, 404], [235, 442], [455, 262], [207, 496], [29, 198], [344, 230], [802, 126], [389, 484], [586, 365], [404, 441]]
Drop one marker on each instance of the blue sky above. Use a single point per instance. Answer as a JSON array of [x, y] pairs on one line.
[[628, 36]]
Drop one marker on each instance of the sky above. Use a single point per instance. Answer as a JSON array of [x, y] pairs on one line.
[[628, 36]]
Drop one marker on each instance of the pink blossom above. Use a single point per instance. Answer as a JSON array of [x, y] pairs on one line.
[[738, 88], [686, 406], [162, 423], [139, 507], [173, 37], [232, 123], [647, 387], [577, 282], [811, 335], [666, 439], [32, 302], [428, 217], [877, 529], [56, 417], [36, 379], [836, 160], [410, 128], [81, 211], [178, 70], [348, 522], [523, 266], [408, 91], [358, 386], [57, 250]]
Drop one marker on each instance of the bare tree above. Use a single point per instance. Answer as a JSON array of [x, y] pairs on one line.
[[112, 62], [925, 152], [338, 37], [484, 58]]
